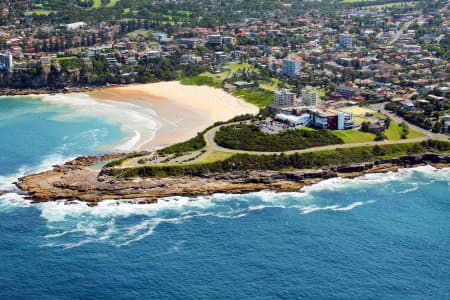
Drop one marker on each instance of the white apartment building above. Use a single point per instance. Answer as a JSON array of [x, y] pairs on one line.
[[215, 39], [284, 98], [310, 97]]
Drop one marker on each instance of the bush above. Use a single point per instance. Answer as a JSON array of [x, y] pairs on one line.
[[280, 162], [193, 144], [251, 138]]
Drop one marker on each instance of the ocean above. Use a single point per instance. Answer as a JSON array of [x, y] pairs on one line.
[[379, 236]]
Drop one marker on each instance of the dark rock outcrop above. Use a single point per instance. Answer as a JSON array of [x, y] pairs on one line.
[[76, 181]]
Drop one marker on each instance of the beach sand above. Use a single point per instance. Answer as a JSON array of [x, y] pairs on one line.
[[181, 110]]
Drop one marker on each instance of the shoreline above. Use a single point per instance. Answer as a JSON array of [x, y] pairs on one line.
[[75, 181], [153, 115], [181, 110]]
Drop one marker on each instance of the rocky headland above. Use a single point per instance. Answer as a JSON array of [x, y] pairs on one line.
[[77, 180]]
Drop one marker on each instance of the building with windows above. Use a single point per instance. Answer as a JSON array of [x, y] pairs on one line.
[[228, 40], [304, 119], [215, 39], [284, 98], [332, 120], [310, 97], [446, 123], [345, 40], [291, 68], [346, 91], [6, 61]]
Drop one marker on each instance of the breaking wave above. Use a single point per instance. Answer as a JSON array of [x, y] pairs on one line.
[[138, 122], [120, 223]]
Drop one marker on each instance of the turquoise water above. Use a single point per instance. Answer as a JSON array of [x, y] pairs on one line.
[[379, 236], [33, 132]]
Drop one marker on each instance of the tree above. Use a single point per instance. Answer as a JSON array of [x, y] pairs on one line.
[[365, 126], [437, 127], [387, 122], [379, 151], [380, 137]]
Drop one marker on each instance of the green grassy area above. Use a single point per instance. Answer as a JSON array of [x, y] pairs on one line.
[[394, 132], [273, 85], [112, 3], [193, 144], [66, 58], [41, 12], [282, 162], [236, 66], [140, 31], [202, 80], [251, 138], [390, 5], [256, 96], [233, 68], [97, 4], [356, 1], [215, 156], [321, 93], [354, 136]]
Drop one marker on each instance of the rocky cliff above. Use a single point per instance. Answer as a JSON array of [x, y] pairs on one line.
[[76, 181]]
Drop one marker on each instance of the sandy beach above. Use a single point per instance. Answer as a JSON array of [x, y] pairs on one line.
[[180, 110]]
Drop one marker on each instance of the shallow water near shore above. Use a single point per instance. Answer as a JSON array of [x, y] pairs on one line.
[[376, 236]]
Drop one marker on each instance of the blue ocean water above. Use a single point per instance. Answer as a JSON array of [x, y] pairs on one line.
[[378, 236]]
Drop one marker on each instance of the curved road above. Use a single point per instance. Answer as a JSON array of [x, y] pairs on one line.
[[398, 119], [213, 146]]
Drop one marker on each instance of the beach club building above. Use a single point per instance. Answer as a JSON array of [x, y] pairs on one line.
[[317, 118], [304, 119]]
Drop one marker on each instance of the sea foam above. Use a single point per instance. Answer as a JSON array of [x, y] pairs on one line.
[[140, 123], [121, 223]]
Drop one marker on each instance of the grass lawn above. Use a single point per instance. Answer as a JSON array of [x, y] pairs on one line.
[[256, 96], [354, 136], [202, 80], [112, 3], [360, 120], [140, 31], [215, 156], [60, 59], [234, 67], [38, 12], [394, 131], [389, 5], [321, 93], [272, 85]]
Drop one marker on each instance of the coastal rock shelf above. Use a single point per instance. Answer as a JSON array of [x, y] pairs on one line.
[[75, 180]]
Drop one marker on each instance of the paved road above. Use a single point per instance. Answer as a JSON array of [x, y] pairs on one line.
[[398, 119], [405, 26], [212, 145]]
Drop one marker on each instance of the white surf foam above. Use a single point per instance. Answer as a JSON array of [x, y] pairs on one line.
[[6, 181], [121, 223], [140, 123]]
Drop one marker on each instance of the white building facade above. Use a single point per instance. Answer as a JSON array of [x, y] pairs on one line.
[[284, 98], [310, 97]]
